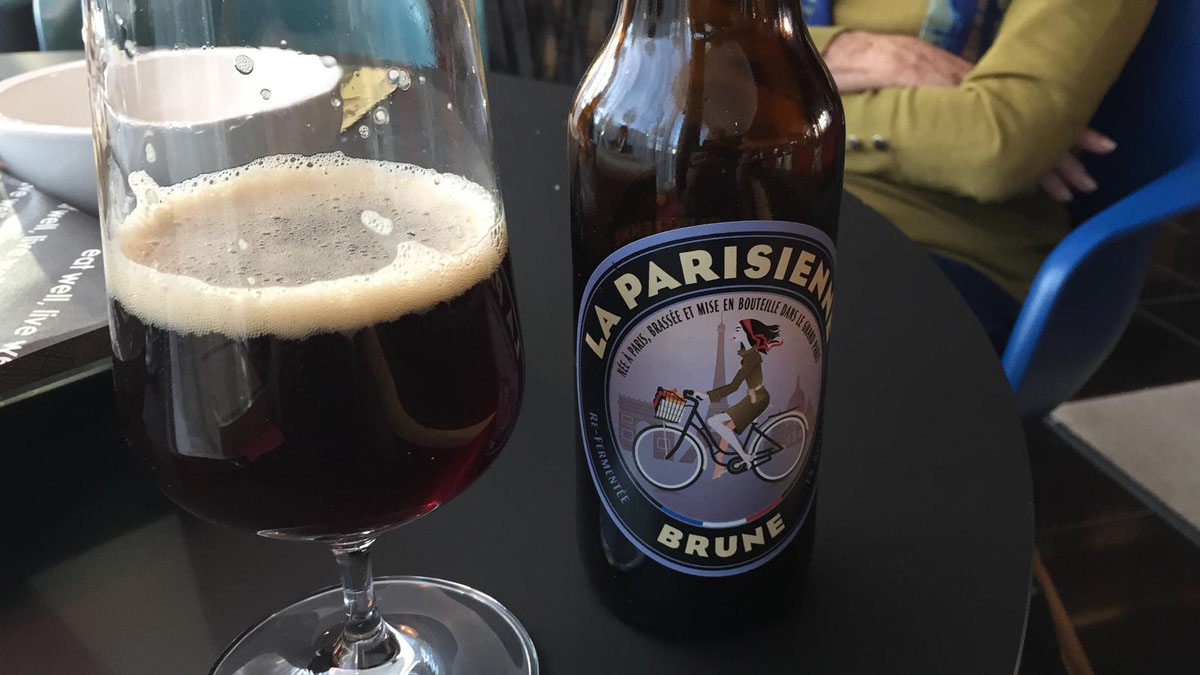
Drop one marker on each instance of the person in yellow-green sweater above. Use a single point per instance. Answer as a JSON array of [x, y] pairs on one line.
[[965, 119]]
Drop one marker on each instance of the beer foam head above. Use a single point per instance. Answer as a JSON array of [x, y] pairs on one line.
[[294, 245]]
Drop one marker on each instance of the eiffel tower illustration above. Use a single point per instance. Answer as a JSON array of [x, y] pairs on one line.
[[719, 380], [798, 400]]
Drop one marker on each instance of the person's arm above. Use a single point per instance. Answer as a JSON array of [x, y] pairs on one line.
[[1015, 115], [723, 391]]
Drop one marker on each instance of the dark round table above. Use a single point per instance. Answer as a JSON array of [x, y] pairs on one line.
[[924, 532]]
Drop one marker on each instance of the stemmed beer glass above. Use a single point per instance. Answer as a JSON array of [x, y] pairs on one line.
[[312, 313]]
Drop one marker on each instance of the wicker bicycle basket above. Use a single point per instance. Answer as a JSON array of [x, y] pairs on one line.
[[669, 406]]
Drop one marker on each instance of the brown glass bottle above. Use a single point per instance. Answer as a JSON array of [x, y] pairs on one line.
[[700, 112]]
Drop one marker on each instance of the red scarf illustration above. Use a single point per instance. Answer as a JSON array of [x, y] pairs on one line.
[[760, 342]]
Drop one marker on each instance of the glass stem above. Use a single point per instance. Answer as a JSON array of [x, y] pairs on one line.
[[366, 640]]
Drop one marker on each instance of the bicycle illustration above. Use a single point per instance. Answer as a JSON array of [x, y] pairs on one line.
[[674, 453]]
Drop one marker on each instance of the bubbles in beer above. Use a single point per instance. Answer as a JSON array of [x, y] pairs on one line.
[[328, 61], [364, 131], [266, 94], [294, 245], [244, 64], [376, 223], [336, 101], [381, 116]]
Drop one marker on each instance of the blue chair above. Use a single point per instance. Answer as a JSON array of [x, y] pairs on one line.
[[1086, 291]]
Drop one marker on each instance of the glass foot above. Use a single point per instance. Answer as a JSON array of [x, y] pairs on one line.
[[442, 628]]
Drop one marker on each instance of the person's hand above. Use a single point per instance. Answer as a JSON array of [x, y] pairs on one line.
[[861, 61], [1070, 174]]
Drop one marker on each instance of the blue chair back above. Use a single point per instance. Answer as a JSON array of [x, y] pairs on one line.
[[1087, 289]]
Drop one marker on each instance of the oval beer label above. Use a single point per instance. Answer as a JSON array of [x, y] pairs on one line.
[[700, 357]]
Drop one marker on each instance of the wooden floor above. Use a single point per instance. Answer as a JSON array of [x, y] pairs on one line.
[[1129, 580]]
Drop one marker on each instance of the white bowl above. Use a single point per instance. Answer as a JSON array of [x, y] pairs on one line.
[[198, 109], [46, 132]]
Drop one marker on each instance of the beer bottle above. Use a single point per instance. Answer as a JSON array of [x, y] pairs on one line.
[[706, 148]]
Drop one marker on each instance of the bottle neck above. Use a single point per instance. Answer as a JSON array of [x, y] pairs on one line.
[[660, 17]]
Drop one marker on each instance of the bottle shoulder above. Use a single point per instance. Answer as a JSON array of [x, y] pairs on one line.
[[762, 90]]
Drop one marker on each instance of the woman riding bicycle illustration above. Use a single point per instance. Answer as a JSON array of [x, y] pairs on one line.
[[754, 340], [672, 454]]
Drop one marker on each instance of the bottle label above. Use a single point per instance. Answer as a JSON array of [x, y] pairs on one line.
[[700, 355]]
